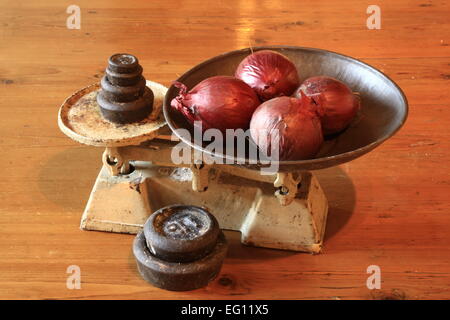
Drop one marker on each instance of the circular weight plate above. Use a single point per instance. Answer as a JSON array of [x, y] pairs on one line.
[[181, 233], [123, 63], [79, 118], [126, 112], [178, 276]]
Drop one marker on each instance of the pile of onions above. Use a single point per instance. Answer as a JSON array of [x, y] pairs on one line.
[[337, 102], [269, 73], [284, 127], [287, 126], [219, 102]]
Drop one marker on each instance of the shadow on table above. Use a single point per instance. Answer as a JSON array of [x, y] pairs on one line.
[[67, 178], [341, 195]]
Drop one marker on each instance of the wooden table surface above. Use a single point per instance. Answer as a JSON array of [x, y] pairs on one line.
[[389, 208]]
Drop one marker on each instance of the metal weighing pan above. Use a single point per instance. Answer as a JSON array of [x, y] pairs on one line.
[[384, 106]]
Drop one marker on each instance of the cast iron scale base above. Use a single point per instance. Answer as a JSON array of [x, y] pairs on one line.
[[282, 211]]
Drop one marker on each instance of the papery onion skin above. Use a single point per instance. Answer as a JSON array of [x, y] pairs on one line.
[[298, 125], [269, 73], [339, 105], [220, 102]]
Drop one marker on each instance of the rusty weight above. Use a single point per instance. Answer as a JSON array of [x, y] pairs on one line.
[[124, 97], [181, 233], [180, 248]]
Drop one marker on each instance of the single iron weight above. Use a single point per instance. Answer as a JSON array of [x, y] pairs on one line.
[[283, 210], [180, 248]]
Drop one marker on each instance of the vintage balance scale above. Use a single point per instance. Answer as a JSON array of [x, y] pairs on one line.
[[283, 210]]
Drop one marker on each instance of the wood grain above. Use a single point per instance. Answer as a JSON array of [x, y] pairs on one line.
[[390, 208]]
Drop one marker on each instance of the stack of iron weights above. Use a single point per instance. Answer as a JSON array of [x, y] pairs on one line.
[[180, 248], [124, 96]]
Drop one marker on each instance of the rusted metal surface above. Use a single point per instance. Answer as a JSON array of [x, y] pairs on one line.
[[181, 248], [384, 106], [240, 199], [80, 118], [124, 97], [181, 233]]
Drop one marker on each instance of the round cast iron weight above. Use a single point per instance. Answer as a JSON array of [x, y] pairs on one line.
[[125, 112], [178, 276], [122, 93], [123, 63], [124, 79], [124, 97], [181, 233]]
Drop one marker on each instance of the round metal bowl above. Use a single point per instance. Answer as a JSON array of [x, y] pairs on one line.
[[384, 106]]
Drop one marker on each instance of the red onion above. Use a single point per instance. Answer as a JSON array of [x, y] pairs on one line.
[[291, 121], [269, 73], [220, 102], [339, 105]]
